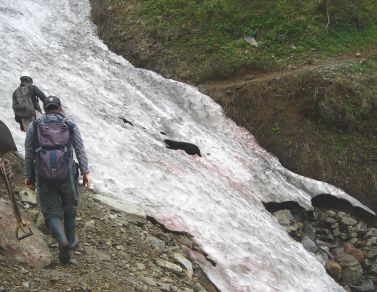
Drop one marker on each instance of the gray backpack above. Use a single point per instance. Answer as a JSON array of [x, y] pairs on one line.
[[53, 159], [22, 104]]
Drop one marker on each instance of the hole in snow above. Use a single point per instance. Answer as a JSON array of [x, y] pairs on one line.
[[332, 202], [126, 121], [298, 212], [291, 205], [189, 148]]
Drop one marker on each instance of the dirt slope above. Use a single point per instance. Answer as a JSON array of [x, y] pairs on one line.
[[116, 253]]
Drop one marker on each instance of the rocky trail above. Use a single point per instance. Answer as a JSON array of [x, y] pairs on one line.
[[118, 251]]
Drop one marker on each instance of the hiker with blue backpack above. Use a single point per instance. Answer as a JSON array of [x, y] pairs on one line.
[[50, 167], [25, 102]]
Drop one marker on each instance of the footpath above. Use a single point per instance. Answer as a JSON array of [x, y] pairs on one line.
[[118, 251]]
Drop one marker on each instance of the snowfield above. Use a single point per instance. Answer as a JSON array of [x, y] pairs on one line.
[[217, 198]]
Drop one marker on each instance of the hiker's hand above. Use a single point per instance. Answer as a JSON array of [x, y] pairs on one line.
[[29, 184], [38, 114], [86, 181]]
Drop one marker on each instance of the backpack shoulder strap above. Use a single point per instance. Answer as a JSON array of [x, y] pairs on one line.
[[70, 125], [36, 140]]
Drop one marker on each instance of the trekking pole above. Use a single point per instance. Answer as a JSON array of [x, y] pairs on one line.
[[16, 210]]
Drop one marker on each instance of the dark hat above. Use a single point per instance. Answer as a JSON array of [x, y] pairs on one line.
[[51, 101], [26, 79]]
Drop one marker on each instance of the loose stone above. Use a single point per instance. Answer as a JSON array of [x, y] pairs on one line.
[[357, 253], [24, 271], [170, 266], [184, 263], [347, 220], [362, 227], [353, 241], [309, 245], [336, 231], [310, 231], [334, 269], [149, 281], [372, 241], [90, 224], [371, 252], [366, 286], [347, 260], [343, 236], [353, 235], [331, 220], [331, 213], [373, 269], [352, 275], [284, 217], [372, 233], [158, 243]]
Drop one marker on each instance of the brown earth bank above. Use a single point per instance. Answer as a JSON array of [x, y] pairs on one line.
[[302, 117], [140, 47], [318, 119], [117, 252]]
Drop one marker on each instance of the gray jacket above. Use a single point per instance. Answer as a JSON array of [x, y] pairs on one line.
[[77, 143]]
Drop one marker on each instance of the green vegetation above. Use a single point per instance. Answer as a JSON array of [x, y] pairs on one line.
[[209, 34], [276, 128]]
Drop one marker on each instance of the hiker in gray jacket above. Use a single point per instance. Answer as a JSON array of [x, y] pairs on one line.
[[23, 115], [49, 166]]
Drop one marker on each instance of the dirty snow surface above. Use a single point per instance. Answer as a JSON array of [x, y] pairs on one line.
[[217, 197]]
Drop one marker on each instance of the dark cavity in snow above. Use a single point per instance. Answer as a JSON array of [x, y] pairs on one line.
[[189, 148], [126, 121]]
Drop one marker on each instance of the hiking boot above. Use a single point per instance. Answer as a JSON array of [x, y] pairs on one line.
[[64, 253], [70, 229], [75, 244], [56, 227]]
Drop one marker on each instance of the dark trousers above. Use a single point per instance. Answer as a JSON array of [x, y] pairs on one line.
[[57, 199]]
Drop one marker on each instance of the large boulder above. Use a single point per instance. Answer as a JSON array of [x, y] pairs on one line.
[[351, 269], [32, 250], [135, 214], [28, 196]]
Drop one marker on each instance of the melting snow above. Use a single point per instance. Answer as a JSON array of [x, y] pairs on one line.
[[217, 198]]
